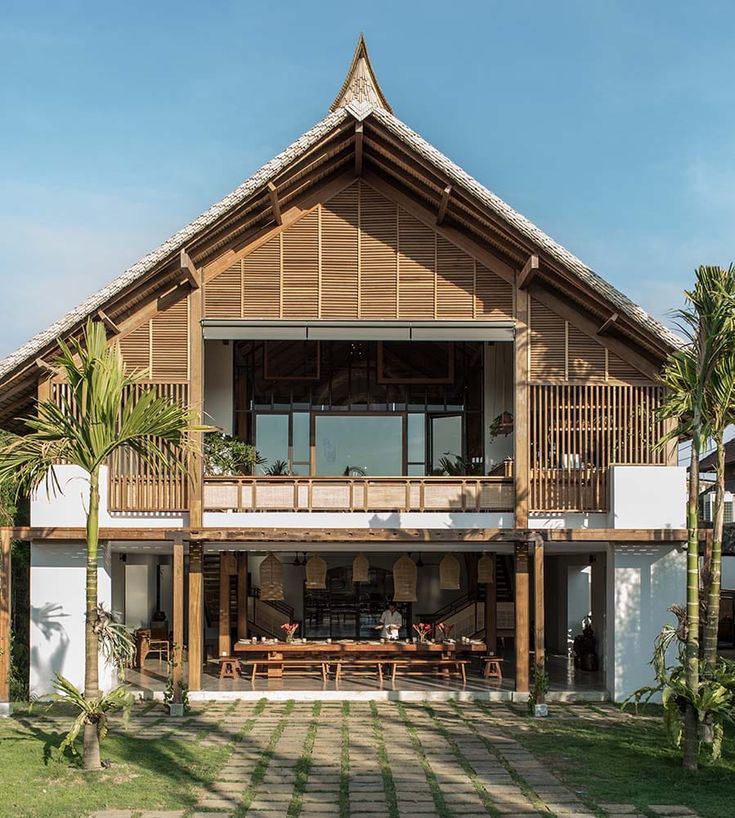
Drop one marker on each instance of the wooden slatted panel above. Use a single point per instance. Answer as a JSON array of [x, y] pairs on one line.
[[455, 281], [416, 268], [261, 281], [548, 343], [301, 268], [493, 296], [378, 255], [585, 356], [170, 342], [136, 348], [339, 231], [134, 486], [579, 430], [223, 294], [620, 370]]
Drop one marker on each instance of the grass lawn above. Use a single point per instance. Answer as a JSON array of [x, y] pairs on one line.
[[145, 773], [631, 761]]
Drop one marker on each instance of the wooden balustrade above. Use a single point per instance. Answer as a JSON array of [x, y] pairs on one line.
[[290, 493]]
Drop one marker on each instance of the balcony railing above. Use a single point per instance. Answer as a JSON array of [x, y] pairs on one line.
[[263, 493]]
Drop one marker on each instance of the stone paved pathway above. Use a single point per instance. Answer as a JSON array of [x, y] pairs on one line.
[[378, 760]]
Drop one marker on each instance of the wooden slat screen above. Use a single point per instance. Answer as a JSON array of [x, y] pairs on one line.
[[358, 255], [561, 352], [134, 485], [577, 431]]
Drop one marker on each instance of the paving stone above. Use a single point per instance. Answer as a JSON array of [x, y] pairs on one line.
[[618, 809], [178, 813], [112, 813]]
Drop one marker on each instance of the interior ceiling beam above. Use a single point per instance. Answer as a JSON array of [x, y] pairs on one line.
[[110, 325], [607, 324], [359, 139], [275, 206], [443, 204], [188, 268], [529, 272]]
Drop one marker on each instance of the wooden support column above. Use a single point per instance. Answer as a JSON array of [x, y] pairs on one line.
[[196, 400], [225, 640], [196, 616], [521, 618], [491, 609], [242, 595], [539, 647], [178, 616], [521, 431], [4, 621]]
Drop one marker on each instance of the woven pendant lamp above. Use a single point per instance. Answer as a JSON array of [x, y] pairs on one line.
[[404, 579], [449, 573], [316, 573], [360, 569], [271, 578], [485, 569]]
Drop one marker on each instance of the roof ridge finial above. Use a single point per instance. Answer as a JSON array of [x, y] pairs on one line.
[[361, 85]]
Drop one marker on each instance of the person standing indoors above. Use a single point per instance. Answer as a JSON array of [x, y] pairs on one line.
[[390, 622]]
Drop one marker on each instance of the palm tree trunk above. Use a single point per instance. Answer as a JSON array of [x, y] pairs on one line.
[[691, 738], [91, 642], [712, 622]]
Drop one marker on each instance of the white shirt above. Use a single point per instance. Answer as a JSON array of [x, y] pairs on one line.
[[388, 618]]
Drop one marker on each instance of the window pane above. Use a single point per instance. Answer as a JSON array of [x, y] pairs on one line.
[[416, 438], [271, 439], [359, 445], [301, 437], [446, 438]]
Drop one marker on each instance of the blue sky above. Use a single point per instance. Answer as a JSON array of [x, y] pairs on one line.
[[609, 124]]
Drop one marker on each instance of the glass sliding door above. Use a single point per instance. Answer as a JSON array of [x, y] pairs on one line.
[[446, 440], [271, 441], [358, 445]]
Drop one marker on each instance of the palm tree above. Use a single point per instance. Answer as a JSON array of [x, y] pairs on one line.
[[103, 414], [707, 323]]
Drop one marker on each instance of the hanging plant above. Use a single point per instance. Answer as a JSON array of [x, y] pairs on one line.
[[501, 426]]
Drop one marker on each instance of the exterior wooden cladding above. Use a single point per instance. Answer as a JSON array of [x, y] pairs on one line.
[[160, 345], [560, 351], [577, 431], [358, 255]]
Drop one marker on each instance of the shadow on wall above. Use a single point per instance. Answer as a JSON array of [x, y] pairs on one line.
[[49, 661]]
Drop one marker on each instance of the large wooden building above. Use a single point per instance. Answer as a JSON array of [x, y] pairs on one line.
[[423, 373]]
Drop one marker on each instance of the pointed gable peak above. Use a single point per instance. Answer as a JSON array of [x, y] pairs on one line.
[[361, 84]]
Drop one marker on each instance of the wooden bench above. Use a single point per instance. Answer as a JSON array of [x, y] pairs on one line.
[[323, 664], [340, 663], [459, 665], [493, 667]]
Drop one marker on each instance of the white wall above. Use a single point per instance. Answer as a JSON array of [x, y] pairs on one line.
[[345, 519], [646, 580], [57, 614], [647, 496], [218, 385], [66, 505]]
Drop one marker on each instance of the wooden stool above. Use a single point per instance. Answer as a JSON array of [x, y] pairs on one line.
[[229, 667], [493, 667]]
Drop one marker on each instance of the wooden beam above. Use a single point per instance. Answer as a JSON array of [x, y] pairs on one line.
[[196, 402], [491, 609], [522, 646], [607, 324], [529, 272], [521, 431], [225, 640], [242, 595], [46, 367], [359, 141], [443, 204], [178, 616], [188, 268], [5, 603], [110, 325], [275, 206], [196, 616], [539, 646], [172, 297]]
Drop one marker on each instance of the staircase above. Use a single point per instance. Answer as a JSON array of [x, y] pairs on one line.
[[265, 617]]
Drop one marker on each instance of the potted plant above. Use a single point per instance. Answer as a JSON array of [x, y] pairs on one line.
[[423, 630]]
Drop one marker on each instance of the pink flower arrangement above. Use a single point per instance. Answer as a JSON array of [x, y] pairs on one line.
[[445, 629], [290, 629], [422, 630]]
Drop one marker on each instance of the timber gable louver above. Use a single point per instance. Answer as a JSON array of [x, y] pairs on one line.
[[358, 255]]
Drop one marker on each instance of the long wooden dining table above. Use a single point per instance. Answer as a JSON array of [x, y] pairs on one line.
[[345, 649]]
